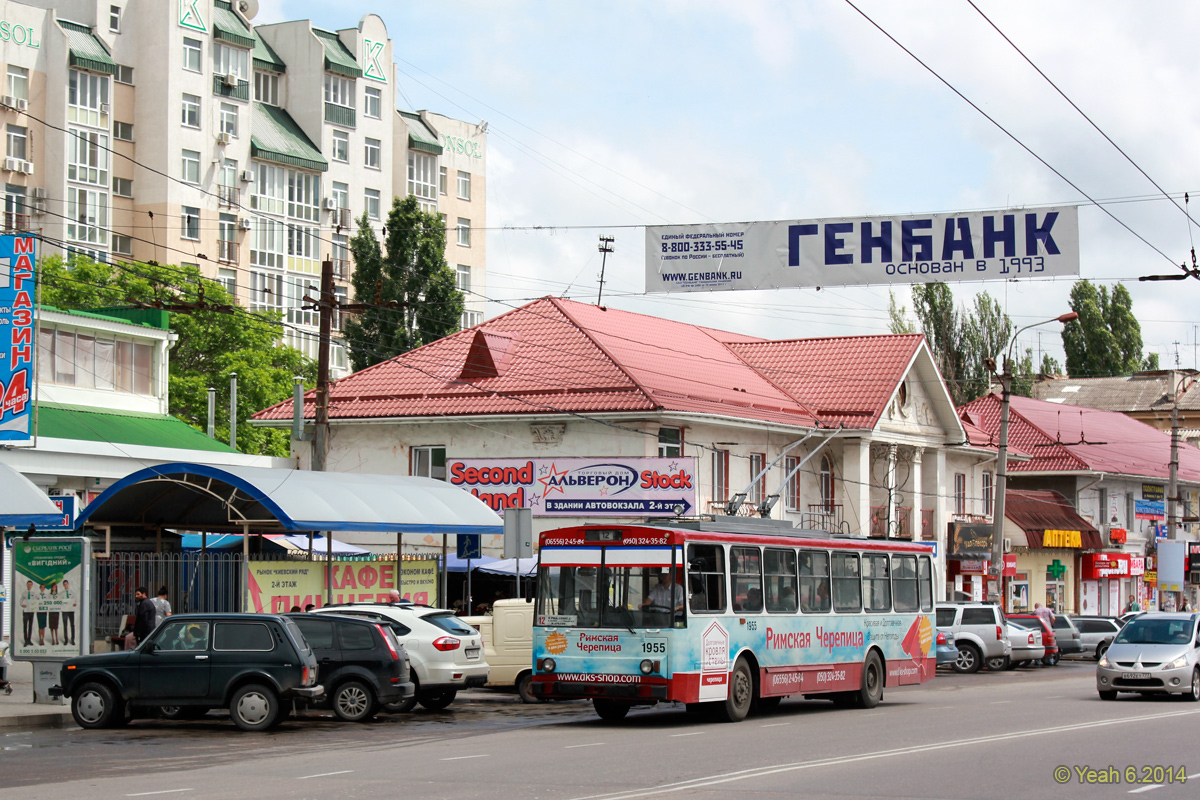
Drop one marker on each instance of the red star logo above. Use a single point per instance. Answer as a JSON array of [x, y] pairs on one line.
[[546, 481]]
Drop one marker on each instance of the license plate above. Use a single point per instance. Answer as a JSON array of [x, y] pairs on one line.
[[472, 652], [1134, 676]]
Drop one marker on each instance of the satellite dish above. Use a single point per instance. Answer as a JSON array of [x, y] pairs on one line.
[[248, 8]]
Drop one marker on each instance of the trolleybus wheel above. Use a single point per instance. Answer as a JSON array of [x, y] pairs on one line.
[[610, 710], [741, 693], [872, 682]]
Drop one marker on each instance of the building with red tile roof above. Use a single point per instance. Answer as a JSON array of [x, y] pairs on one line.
[[570, 379]]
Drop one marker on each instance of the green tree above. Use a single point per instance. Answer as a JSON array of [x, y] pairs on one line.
[[211, 344], [960, 342], [411, 291], [1106, 340]]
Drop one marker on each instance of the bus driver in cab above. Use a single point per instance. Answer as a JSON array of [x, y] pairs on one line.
[[666, 596]]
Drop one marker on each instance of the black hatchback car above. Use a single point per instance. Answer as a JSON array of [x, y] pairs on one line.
[[254, 664], [361, 663]]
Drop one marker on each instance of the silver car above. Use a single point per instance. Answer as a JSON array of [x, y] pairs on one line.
[[1153, 654]]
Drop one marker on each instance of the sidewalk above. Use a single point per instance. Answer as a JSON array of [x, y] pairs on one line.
[[18, 711]]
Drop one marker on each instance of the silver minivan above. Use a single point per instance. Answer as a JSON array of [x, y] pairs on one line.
[[1153, 654]]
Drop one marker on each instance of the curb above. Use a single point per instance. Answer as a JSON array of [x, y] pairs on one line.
[[27, 721]]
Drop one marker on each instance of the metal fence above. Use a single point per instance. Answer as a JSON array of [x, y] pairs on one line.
[[209, 582]]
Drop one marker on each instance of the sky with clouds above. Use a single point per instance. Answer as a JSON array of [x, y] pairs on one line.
[[608, 117]]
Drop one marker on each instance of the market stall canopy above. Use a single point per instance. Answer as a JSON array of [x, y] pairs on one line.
[[22, 503], [456, 564], [528, 567], [261, 500], [295, 542]]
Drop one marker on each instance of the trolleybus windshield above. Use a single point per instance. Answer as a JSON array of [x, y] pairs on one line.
[[611, 595]]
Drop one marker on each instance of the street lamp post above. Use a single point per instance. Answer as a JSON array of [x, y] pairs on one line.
[[996, 569]]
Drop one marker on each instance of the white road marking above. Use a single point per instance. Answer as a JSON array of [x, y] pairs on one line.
[[999, 702], [590, 744], [1056, 697], [459, 758], [775, 725], [759, 772], [164, 791], [693, 733], [325, 774], [1146, 788]]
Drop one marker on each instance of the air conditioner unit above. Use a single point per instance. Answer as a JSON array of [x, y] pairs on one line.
[[105, 108], [247, 176], [38, 193], [230, 80], [12, 164], [9, 101], [1007, 545], [330, 204], [27, 167], [224, 138], [245, 223], [22, 104]]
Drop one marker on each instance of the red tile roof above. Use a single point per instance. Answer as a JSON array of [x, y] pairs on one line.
[[1077, 439], [560, 356]]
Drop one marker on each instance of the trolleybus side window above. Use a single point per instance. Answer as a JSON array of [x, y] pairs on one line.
[[706, 578], [904, 582], [925, 583], [847, 588], [877, 589], [780, 568], [814, 581], [745, 569]]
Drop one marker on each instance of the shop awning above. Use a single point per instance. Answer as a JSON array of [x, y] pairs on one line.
[[22, 503], [85, 423], [295, 542], [421, 136], [337, 58], [200, 497], [276, 137], [228, 27], [526, 566], [87, 52], [1050, 521]]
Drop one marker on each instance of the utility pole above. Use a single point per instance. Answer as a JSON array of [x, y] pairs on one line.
[[605, 248], [325, 326], [1173, 479]]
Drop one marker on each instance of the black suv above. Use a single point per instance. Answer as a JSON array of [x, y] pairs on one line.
[[253, 663], [362, 665]]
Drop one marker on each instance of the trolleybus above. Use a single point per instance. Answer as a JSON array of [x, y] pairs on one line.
[[728, 615]]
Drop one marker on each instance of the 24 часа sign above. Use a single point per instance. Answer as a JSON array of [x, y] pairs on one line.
[[920, 248]]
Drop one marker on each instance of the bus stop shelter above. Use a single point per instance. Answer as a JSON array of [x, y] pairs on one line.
[[259, 501]]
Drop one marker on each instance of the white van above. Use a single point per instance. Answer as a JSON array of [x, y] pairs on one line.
[[508, 645]]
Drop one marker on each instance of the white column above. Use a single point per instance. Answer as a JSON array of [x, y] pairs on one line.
[[892, 492], [856, 455], [917, 496]]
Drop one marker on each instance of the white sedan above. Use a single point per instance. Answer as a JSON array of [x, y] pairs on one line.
[[1026, 644]]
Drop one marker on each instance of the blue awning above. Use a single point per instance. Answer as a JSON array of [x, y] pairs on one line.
[[456, 564], [287, 541], [23, 504], [232, 499]]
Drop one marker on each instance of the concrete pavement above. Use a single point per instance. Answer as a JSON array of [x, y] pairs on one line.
[[17, 710]]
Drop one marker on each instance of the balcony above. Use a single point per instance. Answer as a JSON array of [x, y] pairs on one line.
[[823, 517], [341, 269], [227, 252], [229, 196], [239, 92], [901, 522], [15, 222], [339, 115]]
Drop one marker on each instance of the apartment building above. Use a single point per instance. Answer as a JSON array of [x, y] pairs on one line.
[[178, 131]]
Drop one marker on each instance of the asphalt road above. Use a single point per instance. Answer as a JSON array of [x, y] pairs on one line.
[[989, 735]]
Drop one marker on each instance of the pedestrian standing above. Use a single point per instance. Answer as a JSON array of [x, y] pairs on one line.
[[162, 606], [28, 610], [143, 619], [70, 602], [1045, 614], [1132, 605]]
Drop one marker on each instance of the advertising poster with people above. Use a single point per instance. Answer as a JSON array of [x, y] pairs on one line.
[[49, 614], [277, 587]]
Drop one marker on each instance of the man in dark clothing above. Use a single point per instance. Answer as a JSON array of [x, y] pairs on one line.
[[143, 622]]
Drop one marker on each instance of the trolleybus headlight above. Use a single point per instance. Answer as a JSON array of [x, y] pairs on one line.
[[647, 667], [548, 665]]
